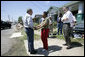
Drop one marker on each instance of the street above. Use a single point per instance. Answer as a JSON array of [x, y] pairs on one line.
[[6, 42]]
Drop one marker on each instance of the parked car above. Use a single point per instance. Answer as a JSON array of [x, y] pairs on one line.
[[79, 28], [5, 25]]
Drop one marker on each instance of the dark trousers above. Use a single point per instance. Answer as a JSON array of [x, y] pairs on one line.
[[30, 38], [66, 31], [71, 32], [59, 25], [44, 36]]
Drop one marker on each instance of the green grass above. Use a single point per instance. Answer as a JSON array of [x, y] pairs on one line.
[[72, 39], [36, 36], [24, 37], [54, 25], [80, 40], [60, 37]]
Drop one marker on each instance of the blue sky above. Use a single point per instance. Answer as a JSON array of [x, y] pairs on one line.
[[18, 8]]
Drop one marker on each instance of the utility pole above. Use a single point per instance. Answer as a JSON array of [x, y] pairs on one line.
[[12, 19], [9, 17]]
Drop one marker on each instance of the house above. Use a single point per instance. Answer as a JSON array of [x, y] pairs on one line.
[[77, 9], [38, 17], [52, 11]]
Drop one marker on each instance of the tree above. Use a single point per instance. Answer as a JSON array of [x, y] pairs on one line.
[[20, 20], [50, 9]]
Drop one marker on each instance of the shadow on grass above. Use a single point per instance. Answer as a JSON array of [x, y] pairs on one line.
[[76, 44], [50, 50]]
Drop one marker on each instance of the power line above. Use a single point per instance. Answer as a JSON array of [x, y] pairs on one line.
[[37, 5]]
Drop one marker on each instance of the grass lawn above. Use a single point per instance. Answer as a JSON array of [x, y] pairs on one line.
[[36, 36], [80, 40]]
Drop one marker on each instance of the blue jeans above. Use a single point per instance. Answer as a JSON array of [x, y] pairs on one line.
[[30, 38], [59, 25]]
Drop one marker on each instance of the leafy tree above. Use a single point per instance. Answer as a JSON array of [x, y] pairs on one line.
[[20, 20]]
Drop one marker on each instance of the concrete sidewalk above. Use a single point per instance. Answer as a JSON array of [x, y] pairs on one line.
[[55, 48], [15, 35]]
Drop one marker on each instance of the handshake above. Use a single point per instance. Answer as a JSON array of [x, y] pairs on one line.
[[36, 27]]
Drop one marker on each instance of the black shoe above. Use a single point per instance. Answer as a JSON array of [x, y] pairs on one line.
[[28, 50], [69, 47], [65, 44], [33, 52]]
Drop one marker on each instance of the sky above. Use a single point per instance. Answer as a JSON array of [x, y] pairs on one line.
[[14, 9]]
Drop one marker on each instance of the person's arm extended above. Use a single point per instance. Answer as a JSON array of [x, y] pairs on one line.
[[37, 27], [65, 19], [44, 23], [41, 25]]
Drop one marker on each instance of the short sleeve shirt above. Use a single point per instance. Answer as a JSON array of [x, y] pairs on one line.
[[45, 23]]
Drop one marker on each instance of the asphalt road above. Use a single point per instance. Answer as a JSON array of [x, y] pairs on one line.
[[6, 42]]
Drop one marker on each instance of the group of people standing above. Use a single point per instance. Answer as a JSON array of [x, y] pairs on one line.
[[63, 21]]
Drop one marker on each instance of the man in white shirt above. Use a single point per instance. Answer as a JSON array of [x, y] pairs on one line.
[[66, 19], [28, 24], [72, 24]]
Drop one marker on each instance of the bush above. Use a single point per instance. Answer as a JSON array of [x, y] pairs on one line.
[[54, 24], [20, 20]]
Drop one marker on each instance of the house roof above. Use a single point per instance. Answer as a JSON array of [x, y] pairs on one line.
[[73, 4], [53, 10], [70, 3]]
